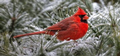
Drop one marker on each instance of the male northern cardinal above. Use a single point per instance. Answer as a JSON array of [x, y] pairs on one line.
[[73, 27]]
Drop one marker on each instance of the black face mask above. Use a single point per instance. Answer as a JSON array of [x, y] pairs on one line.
[[81, 16]]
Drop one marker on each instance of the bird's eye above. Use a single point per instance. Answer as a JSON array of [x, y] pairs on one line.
[[81, 16]]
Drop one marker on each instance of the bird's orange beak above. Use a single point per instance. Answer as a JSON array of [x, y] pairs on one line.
[[85, 17]]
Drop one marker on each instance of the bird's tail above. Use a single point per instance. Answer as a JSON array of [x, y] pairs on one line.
[[40, 32]]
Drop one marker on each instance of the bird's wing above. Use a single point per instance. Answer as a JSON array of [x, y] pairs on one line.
[[54, 27], [70, 33], [62, 25]]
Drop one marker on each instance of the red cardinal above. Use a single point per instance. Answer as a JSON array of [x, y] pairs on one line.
[[73, 27]]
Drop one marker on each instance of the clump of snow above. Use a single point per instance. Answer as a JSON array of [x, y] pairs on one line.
[[4, 1], [96, 7]]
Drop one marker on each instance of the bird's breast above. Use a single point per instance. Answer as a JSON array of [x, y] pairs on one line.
[[83, 27]]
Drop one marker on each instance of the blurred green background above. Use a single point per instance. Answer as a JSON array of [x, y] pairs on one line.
[[25, 16]]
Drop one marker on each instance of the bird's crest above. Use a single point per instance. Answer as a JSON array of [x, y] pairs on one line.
[[80, 12]]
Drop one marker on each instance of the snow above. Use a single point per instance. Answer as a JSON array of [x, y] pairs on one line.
[[52, 5], [52, 54], [4, 1], [95, 6]]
